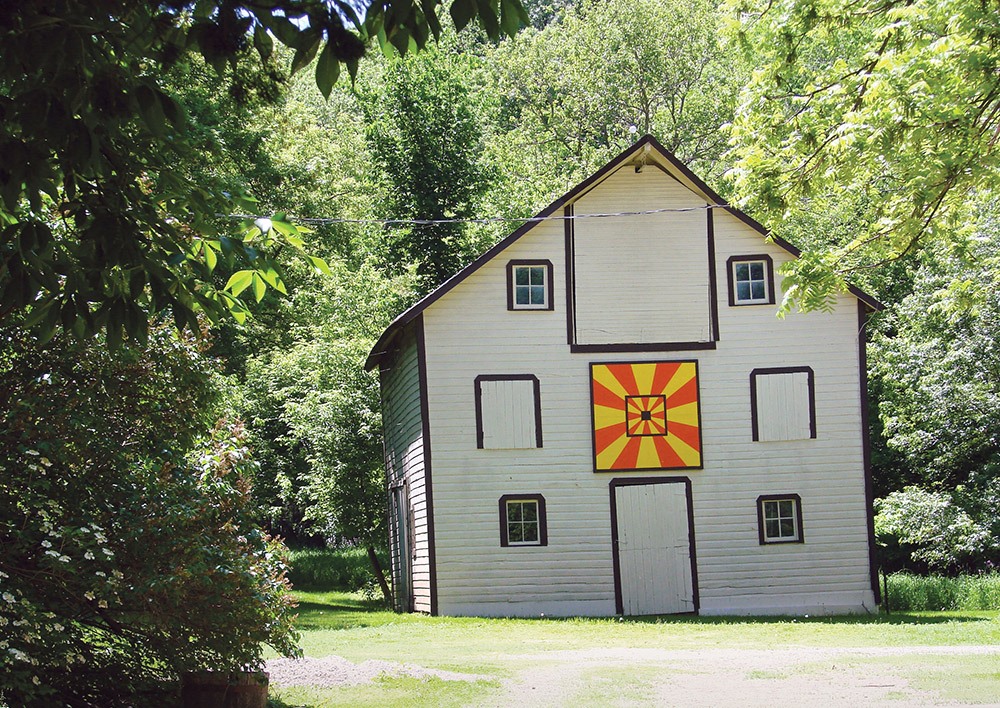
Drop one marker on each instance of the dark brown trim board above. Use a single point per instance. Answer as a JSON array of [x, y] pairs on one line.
[[616, 563], [480, 433], [543, 527], [643, 347], [569, 229], [713, 285], [549, 285], [769, 275], [811, 379], [798, 518], [866, 450], [428, 486]]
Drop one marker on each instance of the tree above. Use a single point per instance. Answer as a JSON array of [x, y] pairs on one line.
[[99, 228], [425, 136], [589, 83], [130, 548], [898, 101], [936, 366], [316, 392]]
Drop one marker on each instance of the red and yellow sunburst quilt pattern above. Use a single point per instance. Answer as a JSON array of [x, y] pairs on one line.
[[646, 416]]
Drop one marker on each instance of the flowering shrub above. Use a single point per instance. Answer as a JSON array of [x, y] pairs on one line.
[[129, 551]]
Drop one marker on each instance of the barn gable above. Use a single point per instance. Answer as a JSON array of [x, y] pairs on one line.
[[683, 197]]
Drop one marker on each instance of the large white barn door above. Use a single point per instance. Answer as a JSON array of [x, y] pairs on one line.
[[655, 569]]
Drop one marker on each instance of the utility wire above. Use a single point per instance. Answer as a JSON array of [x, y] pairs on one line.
[[482, 220]]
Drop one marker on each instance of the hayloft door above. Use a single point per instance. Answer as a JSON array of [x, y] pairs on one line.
[[653, 549]]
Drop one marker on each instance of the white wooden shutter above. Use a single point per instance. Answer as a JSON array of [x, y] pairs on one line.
[[508, 413], [783, 406]]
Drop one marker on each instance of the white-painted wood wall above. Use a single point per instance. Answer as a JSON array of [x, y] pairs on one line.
[[637, 283], [404, 453]]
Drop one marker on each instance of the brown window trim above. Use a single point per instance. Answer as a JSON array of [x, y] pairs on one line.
[[480, 433], [549, 285], [760, 518], [543, 530], [732, 283], [811, 383]]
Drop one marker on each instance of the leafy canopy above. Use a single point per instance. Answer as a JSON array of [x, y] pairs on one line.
[[896, 100], [99, 228]]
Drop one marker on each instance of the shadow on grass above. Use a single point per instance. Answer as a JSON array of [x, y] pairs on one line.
[[898, 618], [342, 611]]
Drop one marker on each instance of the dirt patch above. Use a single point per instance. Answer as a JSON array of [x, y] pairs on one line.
[[752, 678], [808, 676], [336, 671]]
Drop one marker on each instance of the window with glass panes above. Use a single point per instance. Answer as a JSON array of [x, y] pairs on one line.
[[530, 288], [780, 518], [750, 281], [522, 520]]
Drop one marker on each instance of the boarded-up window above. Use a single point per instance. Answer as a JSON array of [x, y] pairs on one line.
[[783, 404], [508, 412]]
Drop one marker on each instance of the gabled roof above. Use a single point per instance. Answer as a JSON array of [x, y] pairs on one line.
[[647, 148]]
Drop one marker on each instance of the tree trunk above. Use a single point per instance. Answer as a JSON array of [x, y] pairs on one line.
[[379, 575]]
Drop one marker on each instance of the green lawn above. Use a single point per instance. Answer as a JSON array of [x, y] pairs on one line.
[[505, 650]]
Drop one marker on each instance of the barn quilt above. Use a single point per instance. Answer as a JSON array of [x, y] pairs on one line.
[[646, 415]]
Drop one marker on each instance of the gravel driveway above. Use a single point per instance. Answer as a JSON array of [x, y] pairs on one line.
[[802, 676]]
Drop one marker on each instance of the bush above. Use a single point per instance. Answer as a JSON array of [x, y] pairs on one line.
[[331, 569], [130, 551], [908, 592]]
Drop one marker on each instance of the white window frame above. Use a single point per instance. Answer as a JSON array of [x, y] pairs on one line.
[[539, 522], [545, 268], [768, 502], [766, 279]]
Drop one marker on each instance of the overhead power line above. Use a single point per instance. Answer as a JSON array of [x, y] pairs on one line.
[[318, 220]]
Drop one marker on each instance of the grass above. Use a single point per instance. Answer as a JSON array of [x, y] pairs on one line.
[[909, 592], [348, 625], [318, 568]]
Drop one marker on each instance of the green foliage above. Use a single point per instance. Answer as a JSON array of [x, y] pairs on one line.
[[345, 569], [100, 225], [940, 369], [939, 532], [936, 370], [130, 551], [895, 103], [314, 414], [915, 593], [599, 76], [425, 137]]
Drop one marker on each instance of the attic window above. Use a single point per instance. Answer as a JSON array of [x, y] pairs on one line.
[[751, 280], [529, 285], [522, 520], [779, 518]]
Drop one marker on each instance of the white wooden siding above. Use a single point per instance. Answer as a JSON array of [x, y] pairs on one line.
[[404, 453], [470, 332], [508, 414], [641, 279], [783, 406]]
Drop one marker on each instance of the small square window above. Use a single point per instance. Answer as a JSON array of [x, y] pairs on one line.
[[522, 520], [529, 285], [751, 280], [779, 518]]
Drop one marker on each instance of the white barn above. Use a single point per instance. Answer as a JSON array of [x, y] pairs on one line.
[[602, 415]]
